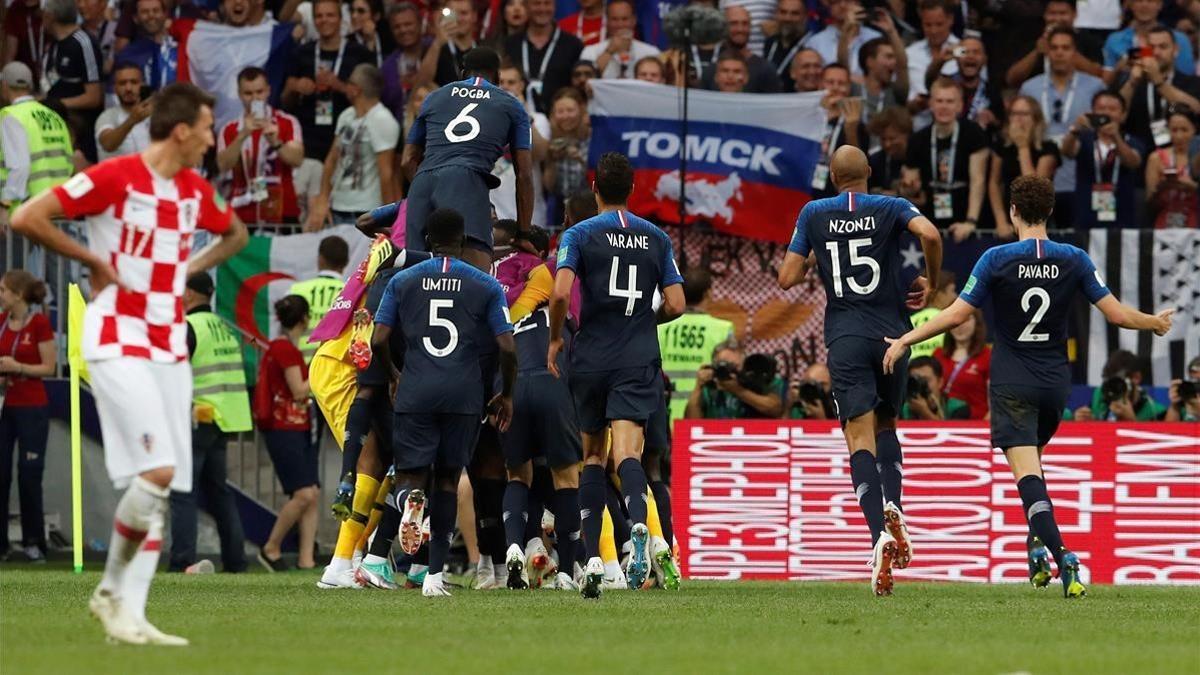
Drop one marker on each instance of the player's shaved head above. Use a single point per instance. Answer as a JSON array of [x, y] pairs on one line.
[[849, 166]]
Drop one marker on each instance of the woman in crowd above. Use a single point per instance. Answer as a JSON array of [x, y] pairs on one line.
[[565, 170], [514, 18], [967, 363], [283, 380], [366, 20], [1023, 150], [650, 69], [27, 355], [1170, 184]]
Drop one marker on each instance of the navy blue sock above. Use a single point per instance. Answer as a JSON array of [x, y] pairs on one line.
[[867, 488], [358, 424], [1040, 513], [592, 496], [386, 531], [443, 510], [533, 523], [489, 510], [516, 503], [662, 498], [633, 488], [566, 527], [620, 519], [888, 460]]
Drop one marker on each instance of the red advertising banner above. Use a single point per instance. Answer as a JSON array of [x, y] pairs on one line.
[[768, 499]]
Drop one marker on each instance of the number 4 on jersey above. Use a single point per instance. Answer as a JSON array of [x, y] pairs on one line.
[[630, 292]]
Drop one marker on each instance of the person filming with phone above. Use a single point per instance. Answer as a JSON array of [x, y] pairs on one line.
[[125, 128], [260, 150], [1107, 164]]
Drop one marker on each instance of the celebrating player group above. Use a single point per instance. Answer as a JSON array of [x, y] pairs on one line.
[[558, 356]]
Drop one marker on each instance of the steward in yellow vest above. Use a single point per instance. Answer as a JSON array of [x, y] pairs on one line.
[[688, 342], [36, 151], [333, 254]]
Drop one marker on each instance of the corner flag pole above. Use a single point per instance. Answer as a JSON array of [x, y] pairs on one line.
[[75, 307]]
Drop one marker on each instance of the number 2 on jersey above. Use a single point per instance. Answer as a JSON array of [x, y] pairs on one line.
[[855, 260], [436, 321], [463, 117], [630, 292], [1043, 297]]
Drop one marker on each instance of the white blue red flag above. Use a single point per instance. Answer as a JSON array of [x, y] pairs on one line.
[[750, 156]]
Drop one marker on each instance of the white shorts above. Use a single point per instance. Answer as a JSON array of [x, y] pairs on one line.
[[145, 416]]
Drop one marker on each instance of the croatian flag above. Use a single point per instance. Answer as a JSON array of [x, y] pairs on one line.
[[211, 55], [750, 156]]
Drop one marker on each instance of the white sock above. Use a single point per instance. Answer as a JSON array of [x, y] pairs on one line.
[[532, 542], [374, 560], [131, 524], [612, 569], [141, 570], [432, 579], [338, 565]]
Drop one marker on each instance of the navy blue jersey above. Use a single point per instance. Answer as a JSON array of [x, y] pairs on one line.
[[447, 311], [470, 123], [620, 260], [532, 335], [1031, 284], [855, 237]]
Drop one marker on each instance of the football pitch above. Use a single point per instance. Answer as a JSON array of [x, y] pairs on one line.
[[260, 623]]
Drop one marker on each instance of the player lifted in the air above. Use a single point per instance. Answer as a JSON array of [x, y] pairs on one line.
[[1032, 284], [620, 260], [142, 213], [853, 238], [460, 132], [447, 311]]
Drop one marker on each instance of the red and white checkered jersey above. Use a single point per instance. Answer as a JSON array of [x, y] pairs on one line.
[[142, 224]]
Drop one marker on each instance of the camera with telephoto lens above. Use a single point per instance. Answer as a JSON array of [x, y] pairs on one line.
[[724, 370], [1187, 391], [758, 372], [810, 391], [918, 387], [1114, 389]]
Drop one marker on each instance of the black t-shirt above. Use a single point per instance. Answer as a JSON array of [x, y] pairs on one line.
[[449, 64], [71, 63], [780, 57], [971, 139], [1140, 116], [319, 137], [557, 72], [1010, 162], [885, 171], [380, 46]]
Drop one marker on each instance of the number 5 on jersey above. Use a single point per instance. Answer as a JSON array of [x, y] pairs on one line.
[[436, 321], [463, 117]]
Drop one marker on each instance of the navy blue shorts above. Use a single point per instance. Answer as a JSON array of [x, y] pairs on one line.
[[444, 440], [859, 385], [631, 394], [377, 373], [543, 424], [658, 429], [454, 187], [294, 457], [1024, 416]]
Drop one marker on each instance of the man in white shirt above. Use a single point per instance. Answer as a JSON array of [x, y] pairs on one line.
[[846, 15], [358, 173], [504, 197], [125, 128], [616, 56], [937, 18]]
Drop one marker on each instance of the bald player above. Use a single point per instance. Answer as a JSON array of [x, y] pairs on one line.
[[852, 239]]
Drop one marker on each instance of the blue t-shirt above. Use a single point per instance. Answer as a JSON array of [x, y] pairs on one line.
[[1032, 284], [1118, 44], [1089, 173], [620, 260], [470, 123], [448, 312], [532, 336], [855, 237]]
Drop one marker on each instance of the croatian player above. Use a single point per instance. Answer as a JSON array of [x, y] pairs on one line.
[[1032, 284], [853, 239], [460, 132], [446, 311], [142, 212], [615, 367]]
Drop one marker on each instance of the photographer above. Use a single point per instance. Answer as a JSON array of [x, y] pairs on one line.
[[810, 398], [1185, 400], [925, 400], [1120, 397], [736, 386]]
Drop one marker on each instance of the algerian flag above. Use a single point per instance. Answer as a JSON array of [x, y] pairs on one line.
[[250, 283]]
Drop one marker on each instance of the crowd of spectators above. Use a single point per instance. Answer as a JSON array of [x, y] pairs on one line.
[[952, 100]]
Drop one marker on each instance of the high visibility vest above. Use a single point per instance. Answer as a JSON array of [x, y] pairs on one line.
[[218, 377], [320, 294], [50, 148], [927, 347], [686, 344]]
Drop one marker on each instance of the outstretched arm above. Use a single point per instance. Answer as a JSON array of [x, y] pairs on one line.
[[1120, 314], [946, 319]]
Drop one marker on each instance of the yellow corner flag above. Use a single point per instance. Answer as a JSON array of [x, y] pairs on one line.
[[75, 309]]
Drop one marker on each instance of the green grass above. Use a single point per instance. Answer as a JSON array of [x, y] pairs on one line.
[[281, 623]]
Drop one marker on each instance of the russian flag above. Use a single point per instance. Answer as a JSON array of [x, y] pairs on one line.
[[750, 156], [211, 55]]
